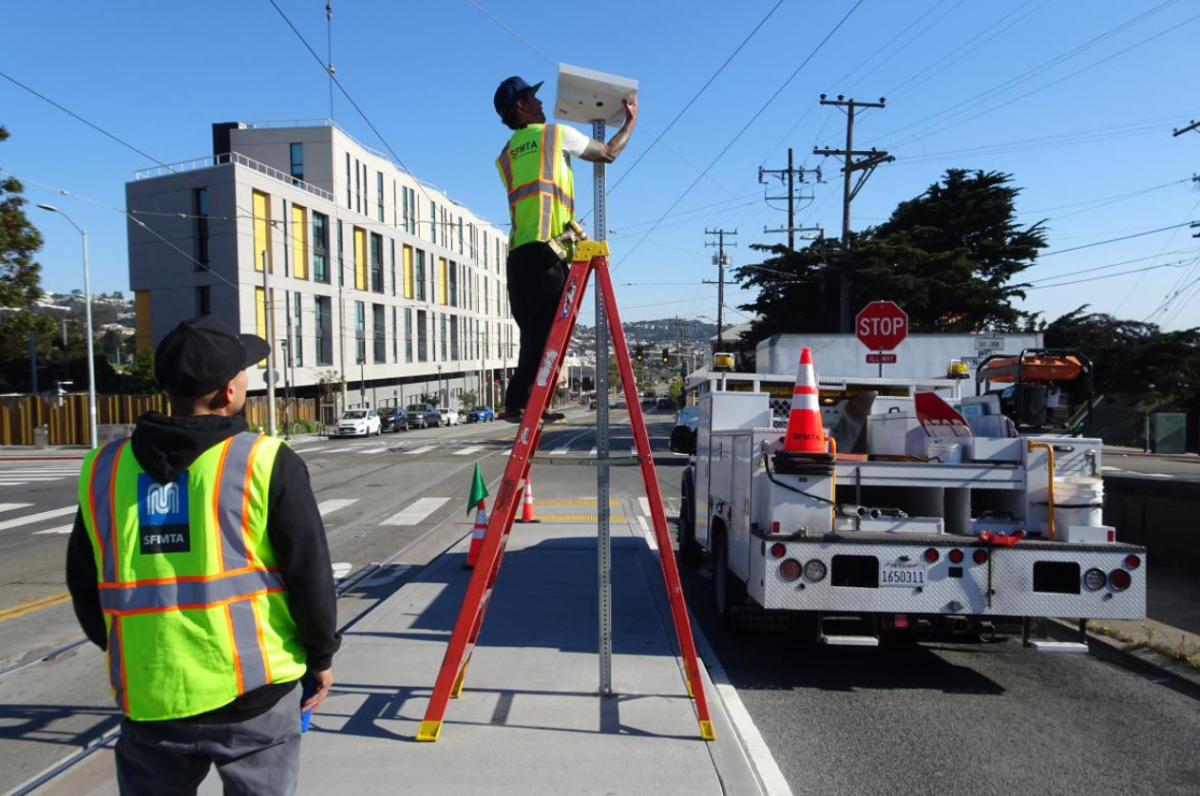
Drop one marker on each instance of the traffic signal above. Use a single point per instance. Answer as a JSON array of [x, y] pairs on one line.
[[637, 353], [666, 356]]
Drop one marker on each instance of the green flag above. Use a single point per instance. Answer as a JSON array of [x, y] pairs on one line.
[[478, 491]]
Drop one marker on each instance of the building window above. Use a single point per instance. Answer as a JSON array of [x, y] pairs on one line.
[[420, 276], [395, 338], [414, 214], [320, 247], [204, 300], [349, 203], [460, 235], [422, 337], [297, 152], [379, 327], [443, 337], [392, 260], [376, 263], [357, 188], [260, 315], [404, 207], [454, 337], [341, 260], [408, 336], [433, 222], [379, 194], [453, 284], [360, 331], [200, 209], [262, 230], [323, 329], [299, 242], [295, 341]]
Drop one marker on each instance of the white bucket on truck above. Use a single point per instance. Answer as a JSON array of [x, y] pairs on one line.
[[1078, 500]]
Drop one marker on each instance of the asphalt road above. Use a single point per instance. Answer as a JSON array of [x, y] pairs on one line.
[[1167, 468], [906, 718]]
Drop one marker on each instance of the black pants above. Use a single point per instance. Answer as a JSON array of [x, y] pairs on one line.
[[536, 278]]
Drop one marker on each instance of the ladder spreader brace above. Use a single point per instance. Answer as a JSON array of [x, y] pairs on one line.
[[589, 257]]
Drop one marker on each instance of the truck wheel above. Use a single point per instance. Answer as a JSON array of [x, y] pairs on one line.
[[689, 550], [731, 592]]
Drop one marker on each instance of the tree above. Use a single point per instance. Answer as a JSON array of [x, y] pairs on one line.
[[141, 372], [948, 256], [467, 399]]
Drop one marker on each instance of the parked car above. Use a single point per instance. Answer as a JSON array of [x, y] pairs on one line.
[[448, 417], [481, 414], [394, 419], [358, 423], [665, 402], [423, 416]]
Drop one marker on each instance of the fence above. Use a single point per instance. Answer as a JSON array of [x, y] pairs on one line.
[[65, 419]]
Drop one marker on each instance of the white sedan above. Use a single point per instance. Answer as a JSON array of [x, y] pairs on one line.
[[449, 417], [358, 423]]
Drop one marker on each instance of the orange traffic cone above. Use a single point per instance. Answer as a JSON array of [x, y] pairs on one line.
[[527, 503], [804, 431], [481, 523]]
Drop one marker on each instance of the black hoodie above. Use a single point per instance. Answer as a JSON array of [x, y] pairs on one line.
[[165, 447]]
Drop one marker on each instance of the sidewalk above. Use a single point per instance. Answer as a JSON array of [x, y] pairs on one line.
[[529, 720]]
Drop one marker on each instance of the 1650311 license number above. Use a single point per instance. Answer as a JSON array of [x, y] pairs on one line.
[[901, 573]]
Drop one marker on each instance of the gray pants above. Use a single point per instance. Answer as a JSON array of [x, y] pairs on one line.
[[257, 757]]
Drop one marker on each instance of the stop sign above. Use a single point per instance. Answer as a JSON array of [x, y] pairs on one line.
[[881, 325]]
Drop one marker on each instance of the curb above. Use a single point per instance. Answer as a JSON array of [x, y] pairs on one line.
[[1143, 659]]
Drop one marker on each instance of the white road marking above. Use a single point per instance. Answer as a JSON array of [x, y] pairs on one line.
[[330, 506], [12, 483], [25, 479], [424, 449], [644, 503], [11, 506], [469, 451], [342, 569], [1108, 469], [42, 470], [418, 511], [305, 450], [390, 573], [32, 518], [376, 449], [592, 452], [560, 451], [1153, 475], [59, 529]]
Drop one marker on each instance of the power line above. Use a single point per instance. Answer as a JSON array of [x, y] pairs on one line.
[[76, 116], [1110, 265], [1113, 240], [1177, 264], [746, 127]]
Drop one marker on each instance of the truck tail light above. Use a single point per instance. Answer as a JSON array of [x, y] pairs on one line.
[[1119, 580], [775, 526], [956, 556], [980, 556], [1095, 579], [931, 556], [1133, 562], [815, 570], [778, 550], [790, 569]]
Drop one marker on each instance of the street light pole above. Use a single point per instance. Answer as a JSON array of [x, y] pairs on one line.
[[87, 294]]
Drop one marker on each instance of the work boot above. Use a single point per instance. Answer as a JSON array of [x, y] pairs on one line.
[[553, 417]]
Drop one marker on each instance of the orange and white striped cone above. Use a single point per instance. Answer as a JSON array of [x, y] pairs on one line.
[[804, 431], [481, 523], [527, 503]]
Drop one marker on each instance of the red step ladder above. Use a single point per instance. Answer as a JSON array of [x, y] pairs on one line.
[[590, 257]]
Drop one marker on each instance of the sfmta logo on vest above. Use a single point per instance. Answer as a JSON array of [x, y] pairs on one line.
[[163, 516]]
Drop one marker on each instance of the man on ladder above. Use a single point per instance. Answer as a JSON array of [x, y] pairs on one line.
[[536, 169]]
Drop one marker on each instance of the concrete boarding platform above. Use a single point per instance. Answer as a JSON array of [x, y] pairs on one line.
[[529, 719]]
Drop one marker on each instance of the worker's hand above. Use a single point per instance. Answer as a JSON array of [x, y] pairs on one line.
[[630, 110], [324, 682]]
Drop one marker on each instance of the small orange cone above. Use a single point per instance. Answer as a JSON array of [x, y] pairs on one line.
[[481, 523], [804, 431], [527, 503]]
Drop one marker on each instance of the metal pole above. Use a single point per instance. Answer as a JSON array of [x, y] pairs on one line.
[[268, 320], [603, 538], [791, 204], [844, 282], [91, 358]]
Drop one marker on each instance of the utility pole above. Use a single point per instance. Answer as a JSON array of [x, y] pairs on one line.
[[868, 160], [789, 175], [720, 260], [1192, 125]]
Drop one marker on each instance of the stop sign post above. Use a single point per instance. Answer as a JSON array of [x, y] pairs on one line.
[[881, 326]]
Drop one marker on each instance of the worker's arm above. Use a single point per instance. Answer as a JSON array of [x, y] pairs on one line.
[[83, 584], [600, 152]]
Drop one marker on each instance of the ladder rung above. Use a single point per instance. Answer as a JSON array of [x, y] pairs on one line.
[[590, 461]]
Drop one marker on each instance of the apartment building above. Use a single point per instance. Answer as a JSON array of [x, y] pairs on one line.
[[358, 271]]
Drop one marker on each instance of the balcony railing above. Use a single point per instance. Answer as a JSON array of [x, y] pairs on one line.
[[236, 158]]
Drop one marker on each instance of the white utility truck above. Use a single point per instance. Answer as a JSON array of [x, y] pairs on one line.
[[905, 529]]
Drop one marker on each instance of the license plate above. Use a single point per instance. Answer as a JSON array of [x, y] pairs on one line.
[[902, 573]]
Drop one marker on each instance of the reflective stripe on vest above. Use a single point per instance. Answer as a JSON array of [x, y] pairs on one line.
[[540, 189], [242, 578]]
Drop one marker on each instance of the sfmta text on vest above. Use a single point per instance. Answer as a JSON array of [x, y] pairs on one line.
[[523, 149], [151, 539]]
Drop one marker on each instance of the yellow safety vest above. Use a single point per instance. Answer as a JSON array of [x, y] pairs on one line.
[[189, 584], [540, 184]]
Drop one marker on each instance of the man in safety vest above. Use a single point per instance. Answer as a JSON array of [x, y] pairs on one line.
[[536, 169], [198, 561]]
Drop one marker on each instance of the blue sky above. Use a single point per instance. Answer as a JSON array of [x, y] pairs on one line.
[[1077, 104]]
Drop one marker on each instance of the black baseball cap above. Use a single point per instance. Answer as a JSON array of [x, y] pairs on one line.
[[508, 92], [202, 354]]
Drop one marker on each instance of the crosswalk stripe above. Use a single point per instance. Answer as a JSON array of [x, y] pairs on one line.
[[330, 506], [11, 506], [376, 449], [560, 451], [32, 518], [11, 483], [592, 452], [302, 450], [340, 450], [28, 478], [644, 502], [418, 511], [42, 470], [424, 449], [60, 529], [469, 451], [342, 569]]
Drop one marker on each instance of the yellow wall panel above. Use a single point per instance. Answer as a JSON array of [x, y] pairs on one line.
[[360, 258], [408, 272], [299, 242], [262, 230], [443, 278]]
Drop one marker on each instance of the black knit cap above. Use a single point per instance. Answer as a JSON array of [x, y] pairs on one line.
[[202, 354]]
